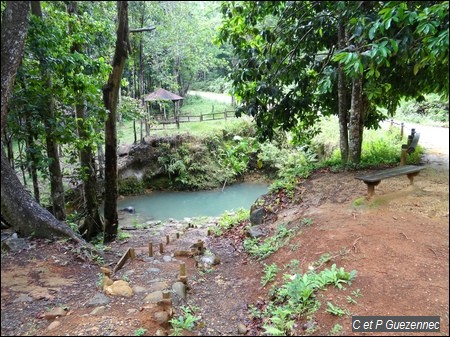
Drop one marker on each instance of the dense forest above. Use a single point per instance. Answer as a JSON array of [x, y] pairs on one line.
[[73, 70]]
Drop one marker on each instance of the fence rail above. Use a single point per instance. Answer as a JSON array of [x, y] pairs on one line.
[[190, 119]]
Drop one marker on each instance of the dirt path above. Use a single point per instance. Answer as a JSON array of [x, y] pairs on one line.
[[398, 242]]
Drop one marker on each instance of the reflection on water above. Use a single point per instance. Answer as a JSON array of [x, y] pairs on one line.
[[178, 205]]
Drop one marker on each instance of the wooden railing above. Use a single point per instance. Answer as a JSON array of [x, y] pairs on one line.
[[190, 119]]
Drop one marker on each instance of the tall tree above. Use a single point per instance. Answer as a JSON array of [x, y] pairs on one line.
[[92, 224], [18, 207], [110, 99], [48, 111], [290, 69]]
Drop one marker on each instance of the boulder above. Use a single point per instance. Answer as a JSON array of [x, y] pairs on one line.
[[257, 216]]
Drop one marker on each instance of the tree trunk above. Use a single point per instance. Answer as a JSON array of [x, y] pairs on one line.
[[31, 158], [342, 100], [101, 160], [110, 97], [54, 167], [9, 147], [18, 208], [356, 121], [92, 225]]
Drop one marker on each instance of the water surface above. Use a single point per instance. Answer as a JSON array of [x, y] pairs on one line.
[[178, 205]]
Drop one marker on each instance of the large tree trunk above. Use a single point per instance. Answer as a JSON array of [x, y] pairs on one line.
[[342, 100], [110, 97], [92, 225], [356, 124], [31, 158], [18, 207], [54, 167]]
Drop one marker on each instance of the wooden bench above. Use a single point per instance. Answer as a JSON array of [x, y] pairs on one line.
[[372, 180], [411, 171]]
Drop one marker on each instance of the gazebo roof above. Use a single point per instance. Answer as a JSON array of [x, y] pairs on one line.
[[162, 95]]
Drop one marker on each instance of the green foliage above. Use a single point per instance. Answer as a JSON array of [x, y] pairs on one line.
[[297, 297], [260, 249], [131, 186], [123, 235], [431, 111], [289, 163], [185, 321], [335, 310], [336, 329], [270, 272], [230, 219], [139, 332]]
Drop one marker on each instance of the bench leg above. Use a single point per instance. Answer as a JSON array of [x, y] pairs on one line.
[[411, 177], [371, 188]]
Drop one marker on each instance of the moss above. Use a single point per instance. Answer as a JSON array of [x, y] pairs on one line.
[[131, 185]]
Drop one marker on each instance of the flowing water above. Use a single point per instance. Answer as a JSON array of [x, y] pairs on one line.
[[178, 205]]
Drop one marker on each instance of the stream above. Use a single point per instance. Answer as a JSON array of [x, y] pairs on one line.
[[178, 205]]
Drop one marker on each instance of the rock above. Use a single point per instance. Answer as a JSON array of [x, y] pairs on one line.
[[309, 325], [167, 258], [257, 216], [98, 311], [132, 311], [207, 261], [139, 289], [119, 288], [180, 289], [97, 300], [23, 298], [106, 282], [129, 209], [53, 325], [153, 223], [255, 232], [153, 297], [14, 244], [161, 332], [157, 286], [153, 270], [242, 329], [162, 317], [56, 312]]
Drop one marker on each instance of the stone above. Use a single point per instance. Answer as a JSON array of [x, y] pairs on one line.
[[98, 311], [209, 260], [257, 216], [255, 232], [167, 258], [53, 325], [97, 300], [161, 332], [162, 317], [119, 288], [23, 298], [132, 311], [157, 286], [14, 244], [153, 297], [242, 329], [180, 289], [56, 312], [139, 289]]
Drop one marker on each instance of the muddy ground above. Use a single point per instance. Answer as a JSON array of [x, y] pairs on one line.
[[398, 242]]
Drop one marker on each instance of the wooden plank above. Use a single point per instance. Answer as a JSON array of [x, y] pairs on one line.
[[389, 173]]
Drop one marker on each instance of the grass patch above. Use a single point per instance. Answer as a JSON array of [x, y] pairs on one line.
[[230, 219]]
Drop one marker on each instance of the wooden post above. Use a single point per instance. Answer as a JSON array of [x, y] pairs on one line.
[[150, 249], [132, 253], [161, 248], [183, 277], [178, 235], [403, 155], [402, 125], [167, 239]]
